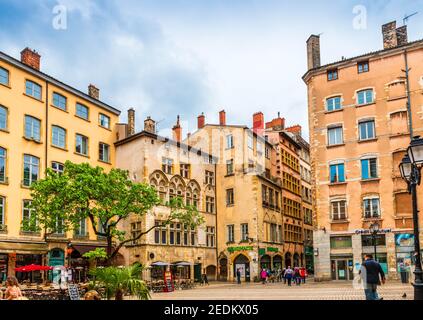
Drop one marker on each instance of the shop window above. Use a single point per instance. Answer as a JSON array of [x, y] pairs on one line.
[[367, 240], [340, 242]]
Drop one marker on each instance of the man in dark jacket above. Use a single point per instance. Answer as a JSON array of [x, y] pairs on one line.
[[370, 272]]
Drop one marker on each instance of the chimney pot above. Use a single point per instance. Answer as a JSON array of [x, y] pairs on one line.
[[177, 131], [313, 52], [93, 92], [131, 122], [31, 58], [201, 121], [258, 123], [402, 35], [222, 118]]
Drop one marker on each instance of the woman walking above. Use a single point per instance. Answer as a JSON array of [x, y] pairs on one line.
[[263, 276], [288, 275]]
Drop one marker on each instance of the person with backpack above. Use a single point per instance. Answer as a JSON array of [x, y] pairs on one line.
[[289, 273]]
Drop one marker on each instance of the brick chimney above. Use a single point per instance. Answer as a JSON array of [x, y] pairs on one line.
[[402, 35], [389, 32], [177, 131], [31, 58], [201, 121], [295, 130], [150, 125], [313, 52], [93, 92], [131, 122], [258, 123], [222, 118], [277, 124]]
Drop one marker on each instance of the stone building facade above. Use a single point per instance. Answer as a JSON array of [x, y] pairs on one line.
[[359, 132], [174, 169]]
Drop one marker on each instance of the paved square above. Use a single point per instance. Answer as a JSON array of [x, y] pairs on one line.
[[279, 291]]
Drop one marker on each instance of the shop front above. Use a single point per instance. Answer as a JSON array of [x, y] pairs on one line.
[[404, 248], [242, 263], [342, 268], [23, 260], [309, 259]]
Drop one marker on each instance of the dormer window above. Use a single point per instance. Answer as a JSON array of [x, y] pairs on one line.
[[332, 74]]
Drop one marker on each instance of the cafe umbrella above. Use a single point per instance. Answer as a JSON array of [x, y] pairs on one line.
[[33, 267]]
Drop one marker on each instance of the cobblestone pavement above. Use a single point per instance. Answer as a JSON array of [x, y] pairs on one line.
[[279, 291]]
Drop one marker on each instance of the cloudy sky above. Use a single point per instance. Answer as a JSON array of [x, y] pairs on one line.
[[169, 57]]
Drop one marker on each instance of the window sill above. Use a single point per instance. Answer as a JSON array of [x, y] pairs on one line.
[[79, 117], [340, 221], [337, 184], [365, 104], [397, 98], [392, 136], [230, 175], [32, 140], [4, 182], [60, 148], [106, 162], [30, 233], [370, 180], [368, 140], [25, 187], [379, 219], [36, 99], [230, 205], [82, 155], [335, 146], [4, 130], [105, 128], [80, 237], [58, 108], [5, 85], [334, 111]]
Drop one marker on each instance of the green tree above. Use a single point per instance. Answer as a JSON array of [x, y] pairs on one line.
[[62, 200], [120, 281]]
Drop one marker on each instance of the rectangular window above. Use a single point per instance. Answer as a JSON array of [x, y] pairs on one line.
[[31, 170], [259, 147], [368, 241], [340, 242], [229, 142], [3, 118], [230, 167], [371, 208], [4, 76], [363, 67], [369, 169], [104, 152], [184, 170], [339, 210], [157, 232], [367, 130], [244, 232], [27, 212], [335, 136], [3, 156], [58, 167], [82, 111], [230, 197], [337, 173], [81, 229], [32, 128], [210, 231], [365, 97], [209, 204], [32, 89], [209, 177], [332, 74], [193, 237], [2, 210], [231, 233], [60, 101], [58, 137], [167, 165], [104, 121], [135, 232], [81, 145], [250, 141], [333, 104]]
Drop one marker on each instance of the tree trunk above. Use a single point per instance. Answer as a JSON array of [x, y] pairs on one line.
[[109, 251]]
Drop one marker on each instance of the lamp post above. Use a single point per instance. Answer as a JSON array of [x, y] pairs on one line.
[[374, 230], [410, 169]]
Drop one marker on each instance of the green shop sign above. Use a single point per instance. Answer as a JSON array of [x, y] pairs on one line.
[[272, 250], [236, 249]]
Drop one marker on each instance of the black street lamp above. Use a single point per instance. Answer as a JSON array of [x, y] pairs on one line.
[[410, 168], [374, 230]]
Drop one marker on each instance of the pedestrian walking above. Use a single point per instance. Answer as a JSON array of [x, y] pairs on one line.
[[204, 279], [289, 273], [238, 276], [372, 274], [13, 292], [297, 276], [263, 276], [303, 274], [283, 275]]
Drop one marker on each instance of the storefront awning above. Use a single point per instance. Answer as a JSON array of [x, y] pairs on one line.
[[160, 264], [84, 249]]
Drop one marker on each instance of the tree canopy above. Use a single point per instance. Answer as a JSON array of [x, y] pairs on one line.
[[61, 201]]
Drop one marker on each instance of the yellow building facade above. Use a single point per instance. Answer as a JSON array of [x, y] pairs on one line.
[[359, 131], [44, 123]]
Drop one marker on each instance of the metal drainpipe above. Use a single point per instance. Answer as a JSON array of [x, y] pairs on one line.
[[407, 76]]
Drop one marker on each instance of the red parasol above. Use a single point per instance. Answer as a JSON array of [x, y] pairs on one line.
[[33, 267]]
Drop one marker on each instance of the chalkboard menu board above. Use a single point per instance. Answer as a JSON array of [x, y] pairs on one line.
[[73, 292], [168, 279]]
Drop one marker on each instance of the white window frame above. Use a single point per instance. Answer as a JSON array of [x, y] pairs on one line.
[[371, 207]]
